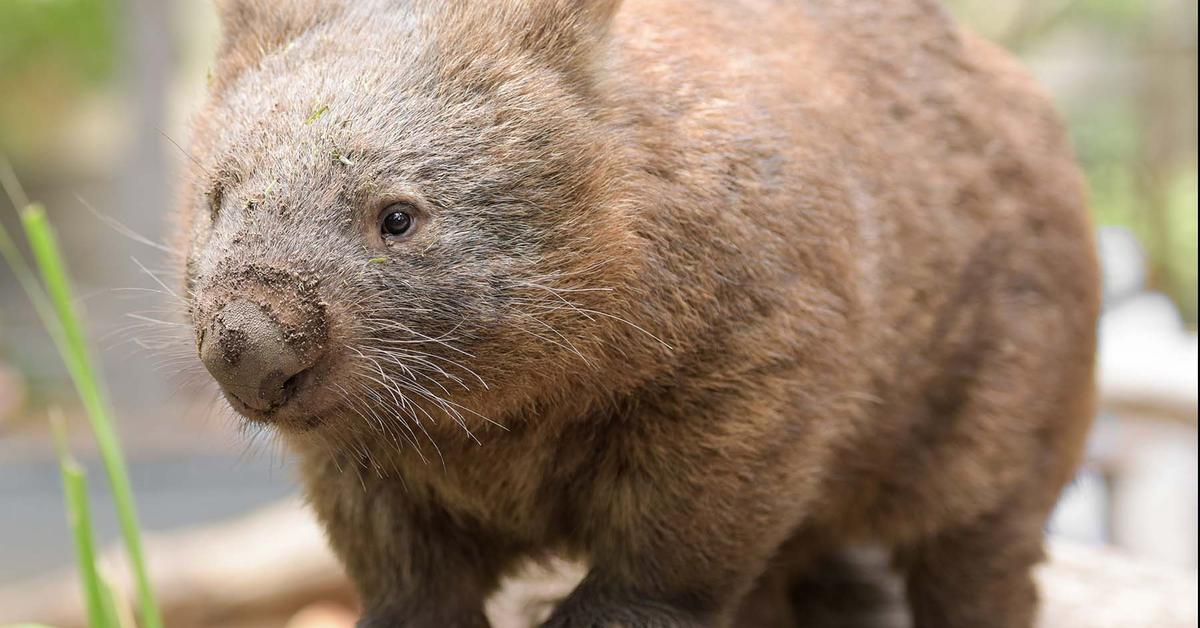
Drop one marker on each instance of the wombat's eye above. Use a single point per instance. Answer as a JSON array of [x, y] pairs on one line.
[[397, 221]]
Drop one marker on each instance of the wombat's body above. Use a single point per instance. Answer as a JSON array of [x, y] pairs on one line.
[[701, 292]]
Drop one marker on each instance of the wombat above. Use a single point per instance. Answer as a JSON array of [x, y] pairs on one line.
[[695, 291]]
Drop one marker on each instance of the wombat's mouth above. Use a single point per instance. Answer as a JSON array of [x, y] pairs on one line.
[[296, 408], [293, 403]]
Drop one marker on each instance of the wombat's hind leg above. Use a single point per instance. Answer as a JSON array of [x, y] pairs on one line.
[[840, 588], [769, 604], [977, 575], [853, 586]]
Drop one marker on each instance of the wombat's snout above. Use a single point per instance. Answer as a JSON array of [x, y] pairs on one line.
[[247, 351]]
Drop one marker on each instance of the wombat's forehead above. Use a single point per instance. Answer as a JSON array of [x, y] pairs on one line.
[[351, 112], [274, 127], [329, 90], [303, 101]]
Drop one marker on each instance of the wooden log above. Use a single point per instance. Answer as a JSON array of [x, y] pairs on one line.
[[269, 563], [263, 569]]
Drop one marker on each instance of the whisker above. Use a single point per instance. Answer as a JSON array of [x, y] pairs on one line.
[[123, 229]]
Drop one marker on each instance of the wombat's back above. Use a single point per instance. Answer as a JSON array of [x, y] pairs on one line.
[[914, 193], [877, 130]]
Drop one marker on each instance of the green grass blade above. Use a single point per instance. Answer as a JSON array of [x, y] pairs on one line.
[[75, 488], [41, 303], [73, 347], [101, 613], [109, 602]]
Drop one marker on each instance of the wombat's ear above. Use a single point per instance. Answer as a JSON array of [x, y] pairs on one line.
[[253, 29], [567, 32], [569, 22]]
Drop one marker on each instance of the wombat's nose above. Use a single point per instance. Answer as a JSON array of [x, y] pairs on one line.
[[246, 351]]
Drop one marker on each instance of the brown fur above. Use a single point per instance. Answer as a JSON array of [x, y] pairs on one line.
[[706, 291]]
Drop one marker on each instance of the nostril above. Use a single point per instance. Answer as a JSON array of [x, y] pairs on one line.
[[277, 389], [293, 384], [248, 352]]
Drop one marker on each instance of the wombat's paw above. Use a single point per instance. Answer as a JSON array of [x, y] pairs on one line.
[[614, 615], [379, 619], [376, 621]]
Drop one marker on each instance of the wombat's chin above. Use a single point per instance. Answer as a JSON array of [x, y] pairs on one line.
[[296, 415]]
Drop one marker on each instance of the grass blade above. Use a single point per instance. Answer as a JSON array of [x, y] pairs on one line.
[[69, 336], [100, 608]]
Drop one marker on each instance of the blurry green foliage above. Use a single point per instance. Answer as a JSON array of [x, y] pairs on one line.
[[1118, 13], [51, 52], [72, 37]]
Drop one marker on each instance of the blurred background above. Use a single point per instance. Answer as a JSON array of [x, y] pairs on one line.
[[94, 101]]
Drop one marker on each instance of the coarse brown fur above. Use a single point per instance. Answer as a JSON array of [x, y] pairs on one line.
[[702, 291]]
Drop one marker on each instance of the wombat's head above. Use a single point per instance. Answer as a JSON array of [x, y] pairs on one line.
[[399, 208]]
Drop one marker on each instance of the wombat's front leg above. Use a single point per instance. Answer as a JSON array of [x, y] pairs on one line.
[[597, 605], [669, 583], [390, 618], [682, 525], [414, 565], [419, 570]]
